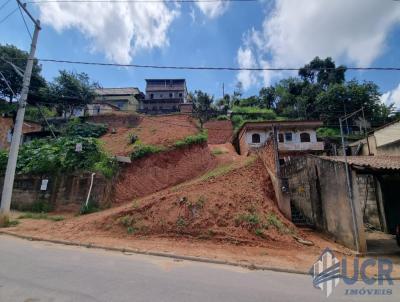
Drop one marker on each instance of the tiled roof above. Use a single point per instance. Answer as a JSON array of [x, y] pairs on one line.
[[118, 91], [374, 162]]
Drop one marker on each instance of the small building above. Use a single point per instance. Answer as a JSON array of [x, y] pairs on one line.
[[123, 99], [6, 128], [164, 96], [294, 137], [98, 108], [382, 141]]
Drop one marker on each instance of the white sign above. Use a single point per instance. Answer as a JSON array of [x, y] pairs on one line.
[[43, 187], [78, 147]]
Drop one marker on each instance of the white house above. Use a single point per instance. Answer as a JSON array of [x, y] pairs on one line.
[[293, 136]]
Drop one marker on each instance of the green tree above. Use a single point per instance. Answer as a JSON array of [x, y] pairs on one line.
[[70, 91], [202, 106], [10, 53], [267, 96]]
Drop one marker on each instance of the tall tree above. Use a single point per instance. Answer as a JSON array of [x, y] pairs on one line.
[[71, 91], [11, 54]]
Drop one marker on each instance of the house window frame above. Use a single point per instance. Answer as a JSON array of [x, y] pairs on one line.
[[308, 137], [288, 137]]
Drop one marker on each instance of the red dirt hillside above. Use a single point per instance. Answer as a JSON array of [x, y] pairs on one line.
[[151, 130], [231, 203]]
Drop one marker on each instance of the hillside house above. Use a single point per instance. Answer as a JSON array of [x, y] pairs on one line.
[[164, 96], [6, 126], [382, 141], [112, 99], [294, 137]]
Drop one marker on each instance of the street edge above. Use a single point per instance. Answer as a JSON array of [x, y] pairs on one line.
[[159, 254]]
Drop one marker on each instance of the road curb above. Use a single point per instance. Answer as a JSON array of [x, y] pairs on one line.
[[160, 254]]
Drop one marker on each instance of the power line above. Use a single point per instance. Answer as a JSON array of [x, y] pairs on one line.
[[4, 4], [9, 15], [206, 67], [26, 25], [135, 1]]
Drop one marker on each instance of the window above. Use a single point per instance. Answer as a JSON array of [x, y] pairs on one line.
[[170, 95], [174, 108], [152, 96], [180, 95], [305, 137], [288, 136], [255, 138], [280, 138], [161, 95]]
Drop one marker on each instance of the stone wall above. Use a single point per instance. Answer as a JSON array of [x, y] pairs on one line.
[[64, 192], [115, 119]]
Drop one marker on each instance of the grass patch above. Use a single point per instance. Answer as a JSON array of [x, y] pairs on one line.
[[272, 220], [142, 150], [221, 170], [7, 223], [41, 216], [181, 222], [218, 152], [251, 219], [192, 140]]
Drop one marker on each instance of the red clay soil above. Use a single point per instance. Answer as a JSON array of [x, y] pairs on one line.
[[219, 132], [236, 206], [162, 170], [153, 130]]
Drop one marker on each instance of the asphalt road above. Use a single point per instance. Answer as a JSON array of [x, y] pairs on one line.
[[39, 271]]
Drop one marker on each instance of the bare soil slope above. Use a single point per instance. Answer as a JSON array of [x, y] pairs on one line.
[[232, 203], [160, 171], [152, 130]]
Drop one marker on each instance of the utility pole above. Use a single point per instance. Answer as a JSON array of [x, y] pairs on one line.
[[16, 138], [348, 180]]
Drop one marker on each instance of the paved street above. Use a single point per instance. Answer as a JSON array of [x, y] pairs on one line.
[[38, 271]]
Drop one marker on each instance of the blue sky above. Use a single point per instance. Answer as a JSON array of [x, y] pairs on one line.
[[280, 33]]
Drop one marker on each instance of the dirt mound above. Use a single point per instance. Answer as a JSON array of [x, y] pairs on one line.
[[219, 132], [152, 130], [230, 203], [162, 170]]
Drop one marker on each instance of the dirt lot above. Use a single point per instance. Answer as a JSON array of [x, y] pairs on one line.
[[152, 130]]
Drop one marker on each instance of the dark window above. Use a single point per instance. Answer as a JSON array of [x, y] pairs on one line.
[[152, 96], [280, 138], [174, 108], [170, 95], [305, 137], [180, 95], [288, 136], [161, 95], [255, 138]]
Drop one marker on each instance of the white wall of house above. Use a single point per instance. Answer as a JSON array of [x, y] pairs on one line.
[[291, 139]]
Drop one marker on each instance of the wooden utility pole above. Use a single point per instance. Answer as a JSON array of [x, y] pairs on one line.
[[16, 138]]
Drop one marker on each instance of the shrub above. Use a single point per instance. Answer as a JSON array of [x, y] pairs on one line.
[[192, 140], [45, 156], [90, 207], [40, 216], [222, 118], [39, 206], [76, 128], [240, 115], [327, 132], [141, 151]]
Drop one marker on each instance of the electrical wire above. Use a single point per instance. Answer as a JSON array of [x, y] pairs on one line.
[[4, 4], [9, 15], [26, 25], [204, 67]]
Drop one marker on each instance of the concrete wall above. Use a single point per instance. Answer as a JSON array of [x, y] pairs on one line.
[[268, 157], [63, 191], [318, 188]]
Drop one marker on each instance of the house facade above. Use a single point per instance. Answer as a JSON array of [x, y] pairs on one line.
[[164, 96], [111, 99], [383, 141], [293, 136]]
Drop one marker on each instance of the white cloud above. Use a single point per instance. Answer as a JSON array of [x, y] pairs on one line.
[[116, 29], [352, 32], [246, 58], [213, 9], [392, 97]]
